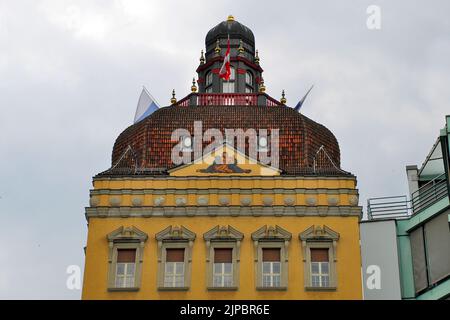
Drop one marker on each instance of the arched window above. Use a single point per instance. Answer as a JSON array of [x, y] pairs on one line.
[[248, 82], [249, 78], [229, 86], [209, 78]]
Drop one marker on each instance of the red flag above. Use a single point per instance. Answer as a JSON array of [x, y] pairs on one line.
[[225, 71]]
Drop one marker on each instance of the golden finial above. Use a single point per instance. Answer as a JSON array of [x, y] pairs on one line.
[[241, 48], [193, 87], [256, 57], [217, 48], [283, 98], [173, 100], [230, 18], [202, 58], [262, 87]]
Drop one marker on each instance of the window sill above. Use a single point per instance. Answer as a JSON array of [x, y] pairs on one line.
[[320, 288], [173, 288], [222, 288], [130, 289], [271, 288]]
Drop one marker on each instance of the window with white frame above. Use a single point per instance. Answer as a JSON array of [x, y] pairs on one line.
[[125, 268], [319, 245], [271, 257], [320, 267], [125, 258], [228, 86], [223, 267], [271, 267], [174, 268], [174, 258]]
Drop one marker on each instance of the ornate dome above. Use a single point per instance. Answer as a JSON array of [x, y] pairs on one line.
[[305, 147], [231, 27]]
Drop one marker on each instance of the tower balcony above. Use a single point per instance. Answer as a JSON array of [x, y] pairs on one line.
[[228, 99]]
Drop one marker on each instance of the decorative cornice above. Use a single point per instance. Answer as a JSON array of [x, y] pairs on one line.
[[281, 177], [211, 61], [226, 211], [330, 191]]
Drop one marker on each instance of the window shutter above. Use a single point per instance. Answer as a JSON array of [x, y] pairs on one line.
[[223, 255], [271, 254], [174, 255], [126, 255], [319, 255]]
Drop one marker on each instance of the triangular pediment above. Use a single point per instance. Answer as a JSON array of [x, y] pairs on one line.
[[175, 233], [224, 161], [319, 233], [223, 233], [270, 233], [127, 234]]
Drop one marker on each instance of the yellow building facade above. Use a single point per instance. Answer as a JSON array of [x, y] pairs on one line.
[[236, 229]]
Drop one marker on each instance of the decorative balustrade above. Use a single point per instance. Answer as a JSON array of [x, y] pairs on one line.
[[228, 99]]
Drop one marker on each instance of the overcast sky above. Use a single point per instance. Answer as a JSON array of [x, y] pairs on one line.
[[71, 73]]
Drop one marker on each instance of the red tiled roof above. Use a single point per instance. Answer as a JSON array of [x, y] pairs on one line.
[[300, 138]]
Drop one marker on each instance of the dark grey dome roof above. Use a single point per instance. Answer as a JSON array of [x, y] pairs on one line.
[[235, 29]]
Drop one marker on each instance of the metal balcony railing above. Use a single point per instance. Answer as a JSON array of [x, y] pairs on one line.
[[429, 193], [388, 207], [401, 207]]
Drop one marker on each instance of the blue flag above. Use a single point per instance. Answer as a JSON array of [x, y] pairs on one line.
[[300, 103], [146, 105]]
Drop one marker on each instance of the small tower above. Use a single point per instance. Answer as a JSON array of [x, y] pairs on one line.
[[244, 70]]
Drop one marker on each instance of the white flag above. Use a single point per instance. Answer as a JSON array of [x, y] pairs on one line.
[[146, 105]]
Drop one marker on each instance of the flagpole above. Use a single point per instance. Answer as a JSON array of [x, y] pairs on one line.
[[228, 44]]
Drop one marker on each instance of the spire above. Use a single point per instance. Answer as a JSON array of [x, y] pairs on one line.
[[202, 58], [241, 47], [230, 18], [262, 87], [283, 98], [256, 57], [193, 87], [217, 48], [173, 100]]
